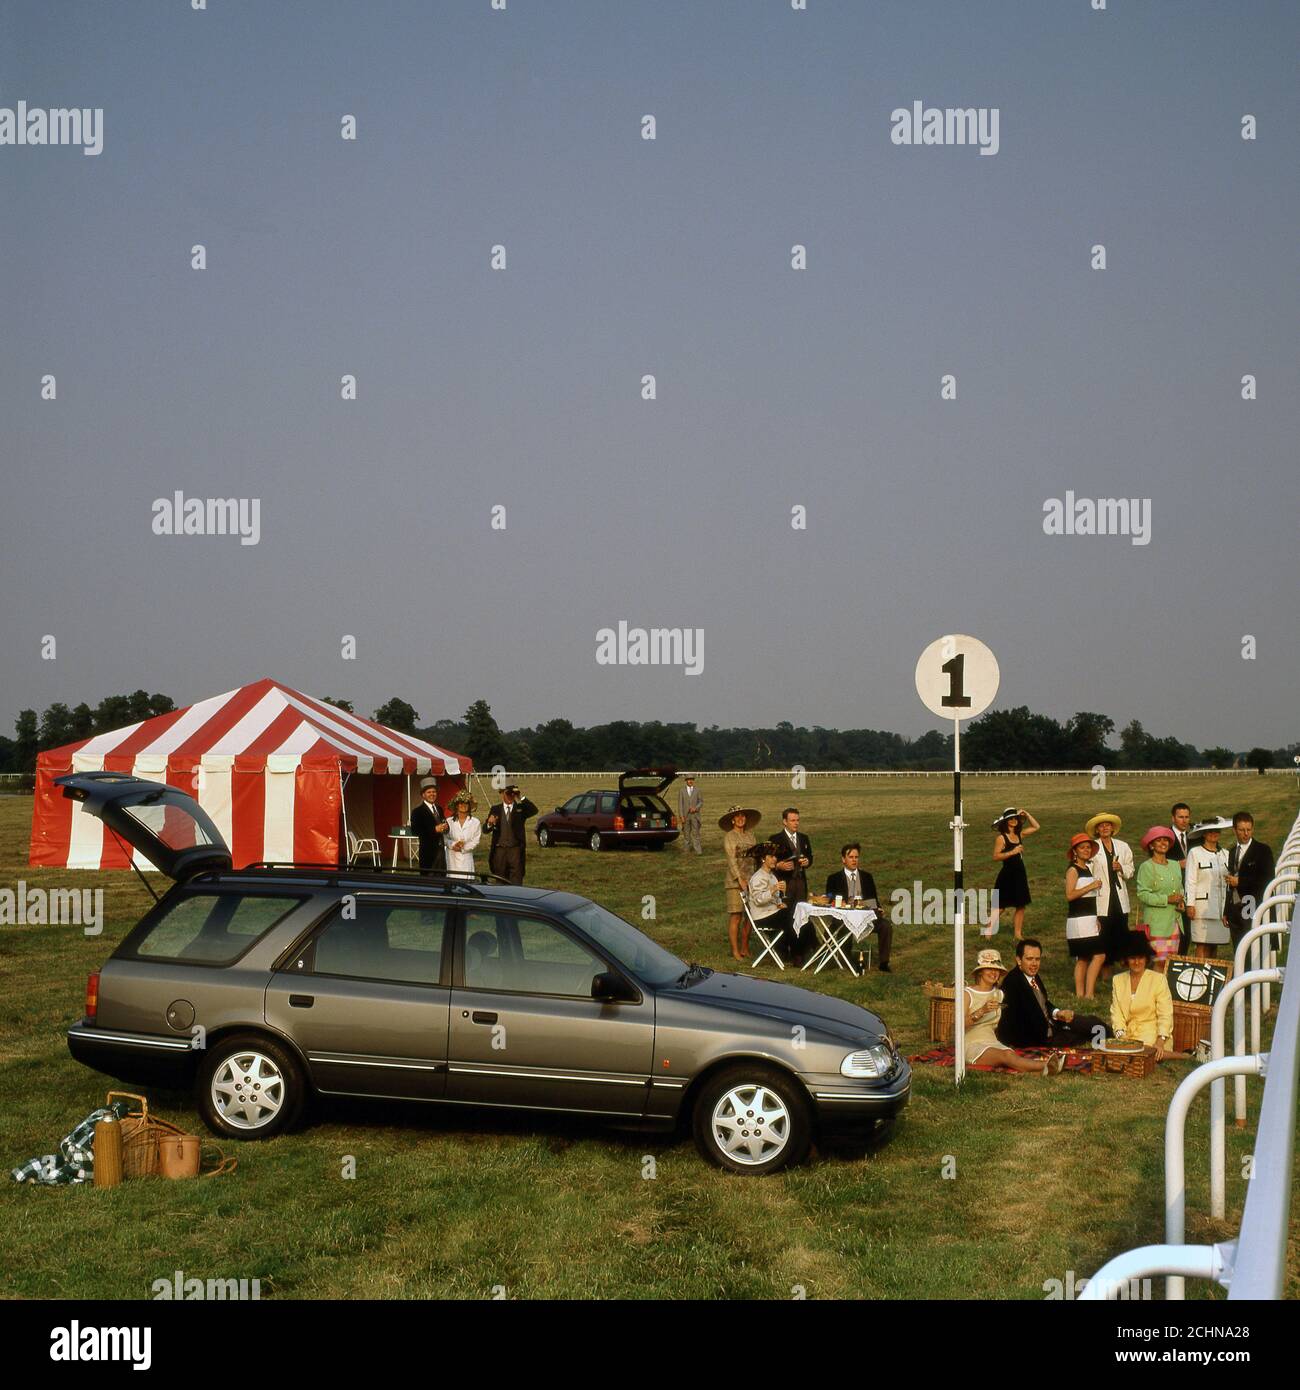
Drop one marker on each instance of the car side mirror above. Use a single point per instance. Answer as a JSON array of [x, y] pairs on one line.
[[559, 810], [609, 987]]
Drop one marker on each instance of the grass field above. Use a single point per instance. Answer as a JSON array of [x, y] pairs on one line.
[[1050, 1176]]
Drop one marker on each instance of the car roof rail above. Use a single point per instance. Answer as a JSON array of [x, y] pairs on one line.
[[408, 875]]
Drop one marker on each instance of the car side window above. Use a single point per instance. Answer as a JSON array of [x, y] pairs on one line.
[[571, 805], [382, 942], [587, 805], [608, 803], [211, 928], [526, 955]]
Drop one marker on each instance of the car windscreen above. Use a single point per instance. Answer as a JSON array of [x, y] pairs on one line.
[[208, 928], [632, 949]]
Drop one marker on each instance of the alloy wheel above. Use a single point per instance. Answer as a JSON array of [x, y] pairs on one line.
[[750, 1124], [248, 1090]]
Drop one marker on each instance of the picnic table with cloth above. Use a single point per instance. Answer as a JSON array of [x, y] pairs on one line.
[[837, 927]]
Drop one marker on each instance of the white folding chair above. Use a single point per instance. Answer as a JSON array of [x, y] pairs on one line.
[[358, 847], [769, 942]]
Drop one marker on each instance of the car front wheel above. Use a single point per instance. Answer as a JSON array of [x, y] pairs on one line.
[[752, 1119], [250, 1088], [596, 841], [544, 837]]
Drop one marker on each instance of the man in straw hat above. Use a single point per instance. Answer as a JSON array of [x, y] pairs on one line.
[[430, 825], [737, 842]]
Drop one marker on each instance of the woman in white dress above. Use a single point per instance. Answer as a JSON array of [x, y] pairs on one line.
[[983, 1003], [1205, 888], [462, 835]]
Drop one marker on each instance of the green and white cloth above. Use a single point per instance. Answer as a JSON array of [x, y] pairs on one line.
[[75, 1160]]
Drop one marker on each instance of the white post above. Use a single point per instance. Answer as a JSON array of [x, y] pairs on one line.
[[958, 944], [1218, 1138], [1239, 1008], [1175, 1159]]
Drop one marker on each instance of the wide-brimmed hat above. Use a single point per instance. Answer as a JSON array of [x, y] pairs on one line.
[[1137, 944], [1080, 839], [988, 959], [462, 798], [428, 782], [1006, 815], [1091, 824], [1155, 833], [1214, 823], [752, 817]]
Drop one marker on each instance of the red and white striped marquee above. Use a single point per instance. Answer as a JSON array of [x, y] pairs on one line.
[[267, 763]]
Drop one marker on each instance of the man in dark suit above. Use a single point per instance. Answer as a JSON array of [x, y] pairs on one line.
[[1180, 820], [850, 881], [796, 855], [429, 823], [1030, 1019], [506, 820], [1250, 871]]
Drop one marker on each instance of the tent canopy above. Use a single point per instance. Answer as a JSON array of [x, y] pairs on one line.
[[268, 763]]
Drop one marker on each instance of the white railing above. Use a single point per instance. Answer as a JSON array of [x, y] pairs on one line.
[[1254, 1266], [784, 772]]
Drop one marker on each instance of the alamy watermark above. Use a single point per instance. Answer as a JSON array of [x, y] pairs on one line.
[[22, 906], [654, 646], [946, 125], [57, 125], [179, 515], [1098, 516]]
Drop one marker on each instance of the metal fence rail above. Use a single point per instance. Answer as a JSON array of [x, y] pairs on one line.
[[784, 772], [1254, 1266]]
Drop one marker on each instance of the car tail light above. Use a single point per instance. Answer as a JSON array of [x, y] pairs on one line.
[[672, 822], [92, 994], [618, 823]]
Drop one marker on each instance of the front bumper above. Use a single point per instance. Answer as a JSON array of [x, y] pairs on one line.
[[165, 1061], [845, 1103]]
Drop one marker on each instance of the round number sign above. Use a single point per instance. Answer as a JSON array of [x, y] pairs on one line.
[[957, 677]]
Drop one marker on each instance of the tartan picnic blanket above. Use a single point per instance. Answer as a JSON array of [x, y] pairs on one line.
[[75, 1160], [943, 1055]]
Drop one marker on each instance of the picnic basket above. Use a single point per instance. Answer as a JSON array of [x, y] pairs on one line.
[[941, 999], [1134, 1065], [144, 1135]]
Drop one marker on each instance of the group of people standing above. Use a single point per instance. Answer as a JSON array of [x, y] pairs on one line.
[[448, 840], [1188, 890]]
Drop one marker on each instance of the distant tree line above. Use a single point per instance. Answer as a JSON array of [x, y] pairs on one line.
[[1002, 740]]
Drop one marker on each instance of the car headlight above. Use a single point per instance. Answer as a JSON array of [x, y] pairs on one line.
[[871, 1063]]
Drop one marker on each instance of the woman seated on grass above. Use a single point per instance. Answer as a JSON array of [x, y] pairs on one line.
[[983, 1003], [1141, 1006]]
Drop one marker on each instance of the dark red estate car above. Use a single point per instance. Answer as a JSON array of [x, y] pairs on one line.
[[635, 814]]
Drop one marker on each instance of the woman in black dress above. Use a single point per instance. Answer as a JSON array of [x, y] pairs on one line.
[[1011, 887]]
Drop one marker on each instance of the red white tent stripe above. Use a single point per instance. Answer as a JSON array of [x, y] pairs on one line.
[[268, 764]]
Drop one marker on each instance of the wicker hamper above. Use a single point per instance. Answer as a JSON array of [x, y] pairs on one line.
[[941, 1006]]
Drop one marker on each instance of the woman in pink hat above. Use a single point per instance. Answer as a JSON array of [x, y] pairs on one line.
[[1160, 891]]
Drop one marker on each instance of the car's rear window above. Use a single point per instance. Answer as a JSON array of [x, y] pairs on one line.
[[211, 928], [642, 801]]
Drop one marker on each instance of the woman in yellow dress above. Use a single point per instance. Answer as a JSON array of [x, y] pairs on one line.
[[1141, 1005], [737, 843]]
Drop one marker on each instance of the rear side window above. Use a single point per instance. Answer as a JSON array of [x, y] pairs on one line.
[[212, 928], [608, 802]]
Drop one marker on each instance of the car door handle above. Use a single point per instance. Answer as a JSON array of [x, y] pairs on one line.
[[479, 1016], [301, 1001]]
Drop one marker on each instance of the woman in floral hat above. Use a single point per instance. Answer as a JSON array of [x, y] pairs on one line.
[[462, 835]]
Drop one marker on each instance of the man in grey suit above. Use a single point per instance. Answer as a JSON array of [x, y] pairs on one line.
[[689, 805]]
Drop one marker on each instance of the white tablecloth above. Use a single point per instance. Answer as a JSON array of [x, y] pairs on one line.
[[859, 920]]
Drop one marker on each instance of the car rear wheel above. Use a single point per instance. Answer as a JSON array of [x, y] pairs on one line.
[[250, 1088], [596, 840], [544, 837], [752, 1119]]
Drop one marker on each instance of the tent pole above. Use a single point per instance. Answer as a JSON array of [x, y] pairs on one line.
[[343, 802]]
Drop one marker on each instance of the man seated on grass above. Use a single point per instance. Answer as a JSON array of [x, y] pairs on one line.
[[1029, 1018]]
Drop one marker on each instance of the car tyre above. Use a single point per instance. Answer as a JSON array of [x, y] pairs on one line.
[[544, 837], [752, 1119], [596, 841], [250, 1087]]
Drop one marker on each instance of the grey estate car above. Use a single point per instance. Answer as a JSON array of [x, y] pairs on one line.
[[263, 986]]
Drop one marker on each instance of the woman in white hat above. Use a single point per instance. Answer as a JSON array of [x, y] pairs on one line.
[[737, 844], [1112, 867], [462, 835], [1011, 887], [1205, 888], [983, 1004]]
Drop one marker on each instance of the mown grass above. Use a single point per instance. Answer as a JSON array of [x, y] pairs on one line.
[[1049, 1176]]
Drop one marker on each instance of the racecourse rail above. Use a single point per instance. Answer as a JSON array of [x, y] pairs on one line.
[[945, 772], [1254, 1265]]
